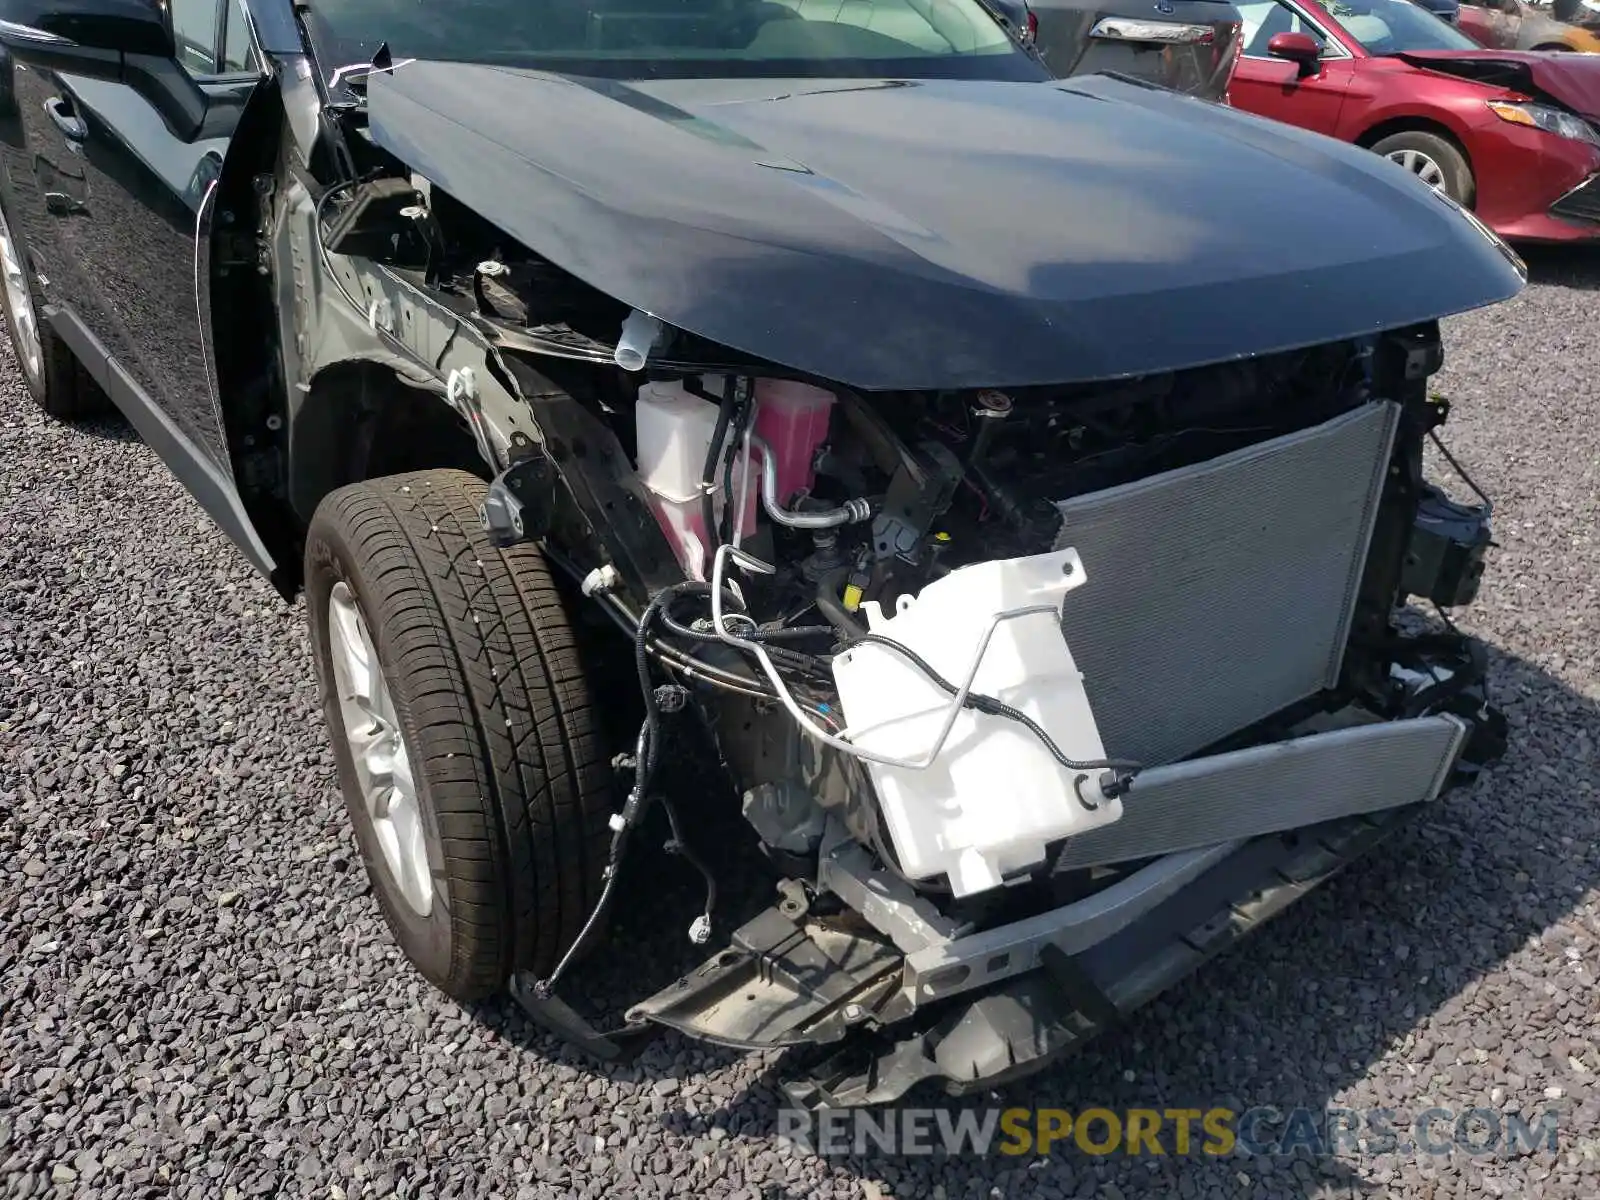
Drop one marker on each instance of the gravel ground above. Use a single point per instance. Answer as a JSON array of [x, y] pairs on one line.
[[197, 998]]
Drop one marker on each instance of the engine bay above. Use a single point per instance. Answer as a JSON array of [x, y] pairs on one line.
[[952, 477]]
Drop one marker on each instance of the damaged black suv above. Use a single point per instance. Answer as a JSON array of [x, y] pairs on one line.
[[1016, 488]]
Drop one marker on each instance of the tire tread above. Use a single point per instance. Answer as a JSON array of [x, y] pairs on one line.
[[503, 719]]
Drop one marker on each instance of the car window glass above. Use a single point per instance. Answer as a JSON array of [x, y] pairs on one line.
[[1368, 29], [238, 54], [651, 38], [1262, 21], [1396, 27], [194, 28]]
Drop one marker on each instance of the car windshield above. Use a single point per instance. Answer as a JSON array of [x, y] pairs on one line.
[[1396, 27], [682, 38]]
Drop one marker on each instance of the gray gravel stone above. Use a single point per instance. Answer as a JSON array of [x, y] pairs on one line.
[[198, 998]]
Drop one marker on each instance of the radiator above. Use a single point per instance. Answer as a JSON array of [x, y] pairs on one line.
[[1222, 593], [1276, 787]]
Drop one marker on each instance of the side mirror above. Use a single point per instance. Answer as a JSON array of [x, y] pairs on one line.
[[1299, 48], [91, 31]]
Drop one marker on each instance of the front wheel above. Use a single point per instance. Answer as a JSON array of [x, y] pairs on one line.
[[1432, 159], [463, 728]]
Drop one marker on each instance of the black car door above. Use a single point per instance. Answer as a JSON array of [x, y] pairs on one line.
[[119, 194]]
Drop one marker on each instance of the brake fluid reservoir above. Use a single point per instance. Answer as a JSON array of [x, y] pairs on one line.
[[994, 797]]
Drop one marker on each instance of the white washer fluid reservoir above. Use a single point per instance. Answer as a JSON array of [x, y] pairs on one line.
[[674, 430], [994, 797]]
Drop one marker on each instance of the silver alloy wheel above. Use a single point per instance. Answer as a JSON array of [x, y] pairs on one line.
[[1420, 165], [378, 749], [20, 302]]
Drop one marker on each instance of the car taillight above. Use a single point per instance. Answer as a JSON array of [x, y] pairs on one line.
[[1033, 25]]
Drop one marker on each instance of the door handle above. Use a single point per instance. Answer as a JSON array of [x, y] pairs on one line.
[[66, 119]]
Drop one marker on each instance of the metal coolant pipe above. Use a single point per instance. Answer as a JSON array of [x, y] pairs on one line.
[[828, 518]]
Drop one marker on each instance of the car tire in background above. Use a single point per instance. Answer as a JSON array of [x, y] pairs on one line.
[[55, 377], [464, 731], [1435, 160]]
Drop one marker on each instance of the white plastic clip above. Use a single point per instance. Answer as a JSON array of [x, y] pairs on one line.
[[700, 931], [600, 580], [462, 385]]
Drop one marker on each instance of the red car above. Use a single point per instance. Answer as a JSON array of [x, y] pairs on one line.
[[1510, 134]]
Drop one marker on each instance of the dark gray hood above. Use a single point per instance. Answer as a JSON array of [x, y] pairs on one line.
[[945, 234]]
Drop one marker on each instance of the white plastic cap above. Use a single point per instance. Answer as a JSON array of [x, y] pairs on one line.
[[601, 579], [640, 333]]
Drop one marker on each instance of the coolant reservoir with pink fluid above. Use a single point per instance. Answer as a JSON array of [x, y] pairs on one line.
[[674, 430], [792, 418]]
